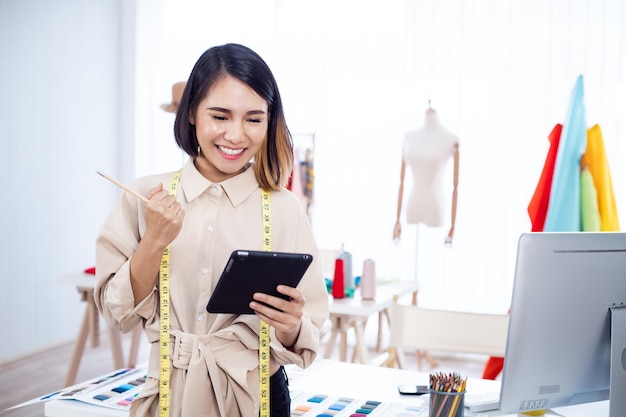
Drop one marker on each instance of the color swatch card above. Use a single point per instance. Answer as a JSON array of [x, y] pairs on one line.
[[320, 405], [116, 390]]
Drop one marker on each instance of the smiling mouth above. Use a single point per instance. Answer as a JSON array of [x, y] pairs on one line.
[[229, 151]]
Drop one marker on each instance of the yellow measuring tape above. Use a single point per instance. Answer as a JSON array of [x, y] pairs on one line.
[[164, 320], [264, 328]]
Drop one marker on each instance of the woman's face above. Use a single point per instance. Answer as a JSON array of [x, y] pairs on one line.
[[231, 126]]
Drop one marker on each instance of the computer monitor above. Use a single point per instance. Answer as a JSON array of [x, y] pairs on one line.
[[567, 293]]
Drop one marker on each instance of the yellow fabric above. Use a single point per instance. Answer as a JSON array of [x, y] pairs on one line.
[[595, 160]]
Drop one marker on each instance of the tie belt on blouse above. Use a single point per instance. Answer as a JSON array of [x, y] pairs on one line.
[[185, 345], [192, 353], [207, 370]]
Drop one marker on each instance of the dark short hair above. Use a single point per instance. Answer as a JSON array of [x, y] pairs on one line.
[[273, 162]]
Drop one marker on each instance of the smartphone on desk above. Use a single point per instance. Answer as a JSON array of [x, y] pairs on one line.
[[413, 389]]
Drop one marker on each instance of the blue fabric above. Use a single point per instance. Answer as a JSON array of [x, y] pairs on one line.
[[564, 206]]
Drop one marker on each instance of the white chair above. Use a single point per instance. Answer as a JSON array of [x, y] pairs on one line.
[[422, 329]]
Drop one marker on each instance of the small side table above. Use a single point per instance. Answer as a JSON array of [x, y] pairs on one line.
[[90, 328]]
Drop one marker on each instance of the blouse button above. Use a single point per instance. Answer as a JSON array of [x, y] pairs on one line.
[[205, 271], [200, 317], [210, 228], [215, 190]]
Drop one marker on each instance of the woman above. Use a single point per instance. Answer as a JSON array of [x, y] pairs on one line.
[[230, 122]]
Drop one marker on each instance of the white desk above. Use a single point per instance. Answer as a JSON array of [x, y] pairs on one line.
[[364, 381], [380, 383], [346, 380], [353, 313], [90, 328], [69, 408]]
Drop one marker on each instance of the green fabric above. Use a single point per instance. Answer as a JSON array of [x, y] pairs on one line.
[[590, 214]]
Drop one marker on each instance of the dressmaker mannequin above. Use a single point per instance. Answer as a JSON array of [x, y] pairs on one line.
[[425, 152]]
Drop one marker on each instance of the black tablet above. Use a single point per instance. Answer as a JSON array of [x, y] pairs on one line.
[[247, 272]]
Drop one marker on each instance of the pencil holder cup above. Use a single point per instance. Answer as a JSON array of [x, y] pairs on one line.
[[446, 404]]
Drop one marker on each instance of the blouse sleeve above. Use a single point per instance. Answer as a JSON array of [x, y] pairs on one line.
[[116, 243]]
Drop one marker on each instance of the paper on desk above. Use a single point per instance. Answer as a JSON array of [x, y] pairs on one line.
[[85, 391]]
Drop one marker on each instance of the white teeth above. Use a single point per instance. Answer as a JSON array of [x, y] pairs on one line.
[[229, 151]]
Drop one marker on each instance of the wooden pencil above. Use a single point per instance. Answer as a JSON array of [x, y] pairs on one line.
[[123, 187]]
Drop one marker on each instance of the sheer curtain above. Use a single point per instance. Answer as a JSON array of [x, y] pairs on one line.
[[360, 74]]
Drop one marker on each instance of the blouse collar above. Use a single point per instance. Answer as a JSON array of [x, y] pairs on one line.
[[237, 188]]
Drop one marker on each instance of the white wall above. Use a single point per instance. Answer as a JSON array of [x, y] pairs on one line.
[[59, 122]]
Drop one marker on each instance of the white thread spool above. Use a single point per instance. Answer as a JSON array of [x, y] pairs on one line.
[[347, 263], [368, 280]]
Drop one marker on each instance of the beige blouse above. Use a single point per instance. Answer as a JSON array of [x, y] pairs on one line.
[[214, 368]]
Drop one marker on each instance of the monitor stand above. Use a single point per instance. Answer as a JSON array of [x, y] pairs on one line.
[[617, 384], [617, 400]]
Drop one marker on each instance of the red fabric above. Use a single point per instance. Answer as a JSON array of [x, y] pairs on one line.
[[493, 367], [91, 270], [538, 207], [537, 210]]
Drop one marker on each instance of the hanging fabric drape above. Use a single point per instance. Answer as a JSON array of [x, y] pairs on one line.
[[538, 207], [581, 195], [564, 205], [597, 163]]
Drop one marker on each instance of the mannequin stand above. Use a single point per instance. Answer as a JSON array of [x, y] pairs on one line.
[[420, 354]]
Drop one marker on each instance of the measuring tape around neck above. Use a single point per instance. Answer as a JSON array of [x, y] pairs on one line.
[[164, 319], [264, 328]]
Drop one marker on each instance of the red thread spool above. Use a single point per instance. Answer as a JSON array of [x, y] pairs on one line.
[[338, 280]]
